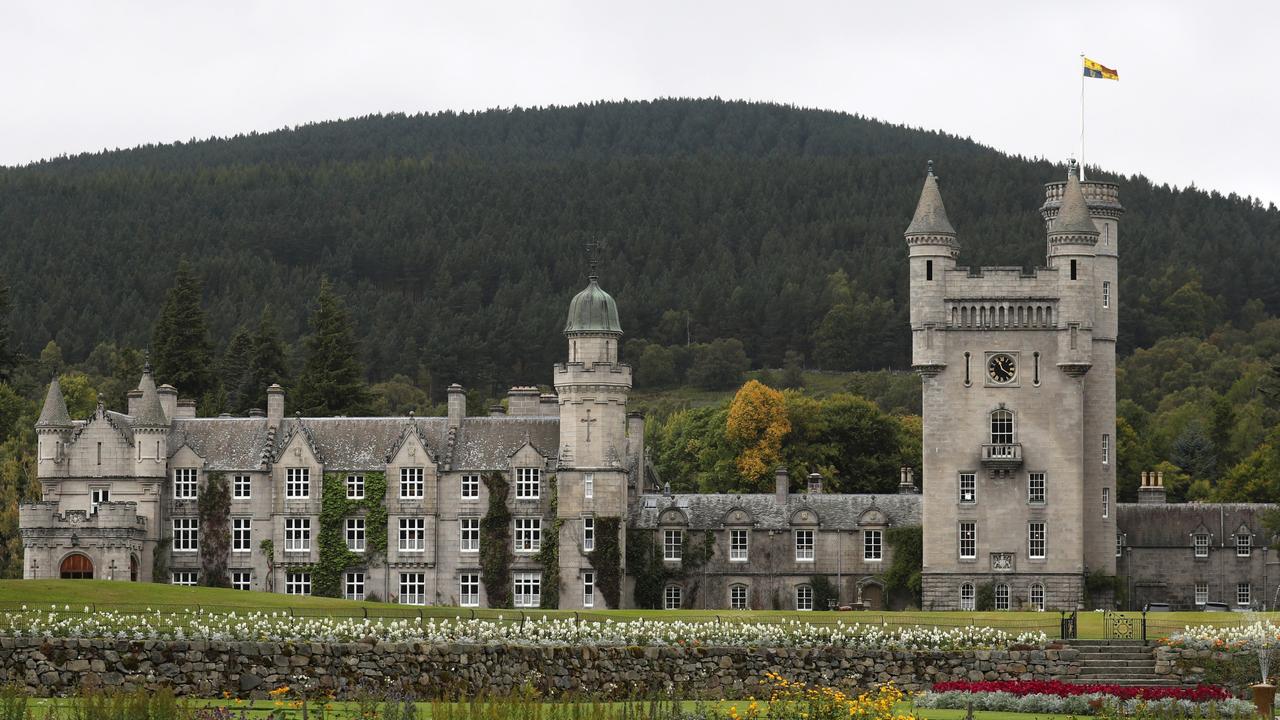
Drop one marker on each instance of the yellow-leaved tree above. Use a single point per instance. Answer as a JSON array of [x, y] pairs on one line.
[[756, 426]]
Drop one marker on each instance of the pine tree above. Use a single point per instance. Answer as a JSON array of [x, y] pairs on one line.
[[268, 362], [332, 381], [7, 357], [180, 342], [234, 369]]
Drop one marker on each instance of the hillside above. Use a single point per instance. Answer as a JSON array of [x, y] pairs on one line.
[[457, 238]]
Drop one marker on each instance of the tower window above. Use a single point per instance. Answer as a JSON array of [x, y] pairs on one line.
[[1106, 449], [1036, 377], [1002, 427], [1106, 293], [1106, 502], [1073, 269], [967, 381], [928, 270]]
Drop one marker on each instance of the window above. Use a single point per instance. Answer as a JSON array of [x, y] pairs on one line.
[[186, 534], [1106, 502], [241, 580], [804, 597], [737, 597], [1106, 449], [1119, 544], [528, 534], [353, 587], [738, 547], [1035, 380], [297, 583], [928, 270], [804, 545], [1036, 596], [1201, 542], [1035, 488], [241, 534], [671, 598], [1242, 594], [588, 534], [672, 544], [1002, 427], [470, 487], [967, 381], [588, 485], [97, 496], [1106, 293], [411, 484], [242, 487], [1035, 540], [527, 587], [588, 589], [469, 589], [1002, 597], [185, 484], [968, 488], [185, 577], [413, 588], [413, 534], [469, 534], [355, 487], [872, 546], [1202, 593], [1244, 545], [1073, 269], [355, 534], [968, 541], [297, 483], [297, 534], [967, 596], [528, 483]]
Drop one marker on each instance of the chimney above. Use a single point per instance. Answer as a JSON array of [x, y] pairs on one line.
[[907, 481], [134, 405], [257, 413], [523, 401], [549, 404], [1151, 491], [275, 405], [815, 484], [457, 405], [782, 484], [186, 409], [497, 410], [168, 400]]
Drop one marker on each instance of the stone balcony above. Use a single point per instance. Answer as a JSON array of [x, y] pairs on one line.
[[1002, 456]]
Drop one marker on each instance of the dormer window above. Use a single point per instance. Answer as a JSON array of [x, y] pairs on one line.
[[1244, 545], [1201, 543], [185, 484], [528, 483]]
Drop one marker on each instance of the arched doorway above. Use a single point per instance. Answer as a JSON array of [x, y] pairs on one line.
[[133, 568], [76, 567]]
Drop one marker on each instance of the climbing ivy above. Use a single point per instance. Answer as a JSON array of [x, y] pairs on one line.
[[908, 558], [606, 560], [652, 573], [214, 508], [495, 543], [160, 560], [549, 553], [335, 508]]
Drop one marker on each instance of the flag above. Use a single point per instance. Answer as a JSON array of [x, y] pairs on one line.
[[1098, 70]]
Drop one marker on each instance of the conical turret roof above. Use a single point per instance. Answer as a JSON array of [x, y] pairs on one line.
[[150, 411], [593, 311], [931, 214], [1073, 214], [54, 413]]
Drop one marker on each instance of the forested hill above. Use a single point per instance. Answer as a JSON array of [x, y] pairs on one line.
[[457, 239]]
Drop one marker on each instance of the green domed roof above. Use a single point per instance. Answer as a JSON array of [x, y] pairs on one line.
[[593, 311]]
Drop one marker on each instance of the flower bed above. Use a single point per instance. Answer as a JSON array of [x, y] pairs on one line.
[[1256, 635], [1058, 688], [283, 627], [1088, 704]]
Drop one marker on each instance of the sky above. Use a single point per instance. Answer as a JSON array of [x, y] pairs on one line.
[[1197, 101]]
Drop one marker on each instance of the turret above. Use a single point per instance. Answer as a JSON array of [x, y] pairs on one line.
[[53, 430], [150, 427], [932, 248], [1071, 240]]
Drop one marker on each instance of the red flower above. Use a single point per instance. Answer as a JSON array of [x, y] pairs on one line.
[[1200, 693]]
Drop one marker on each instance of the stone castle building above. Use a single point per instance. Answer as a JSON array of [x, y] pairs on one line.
[[1018, 376]]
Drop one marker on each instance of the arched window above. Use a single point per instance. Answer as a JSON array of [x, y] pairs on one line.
[[1002, 597], [76, 567], [1036, 596], [1002, 427], [966, 596], [804, 597], [671, 597], [737, 596]]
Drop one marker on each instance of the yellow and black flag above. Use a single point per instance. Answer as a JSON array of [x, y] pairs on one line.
[[1098, 70]]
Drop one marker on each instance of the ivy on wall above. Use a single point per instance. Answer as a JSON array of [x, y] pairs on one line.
[[908, 558], [652, 573], [335, 508], [549, 553], [606, 560], [495, 543], [160, 560], [214, 509]]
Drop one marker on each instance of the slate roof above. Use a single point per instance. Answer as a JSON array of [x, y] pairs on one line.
[[150, 412], [224, 443], [1171, 525], [1073, 215], [931, 214], [486, 443], [54, 413], [835, 511]]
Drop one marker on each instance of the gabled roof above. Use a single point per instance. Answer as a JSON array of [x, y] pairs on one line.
[[1173, 524], [224, 443], [487, 443]]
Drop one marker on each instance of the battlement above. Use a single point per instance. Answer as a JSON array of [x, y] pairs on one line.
[[1103, 198], [621, 372], [109, 515], [999, 270]]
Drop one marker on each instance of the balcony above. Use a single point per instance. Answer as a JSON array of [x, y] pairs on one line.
[[1002, 456]]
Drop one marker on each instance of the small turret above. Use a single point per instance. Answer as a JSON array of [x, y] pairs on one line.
[[930, 220], [932, 249], [150, 411], [54, 413], [1073, 224]]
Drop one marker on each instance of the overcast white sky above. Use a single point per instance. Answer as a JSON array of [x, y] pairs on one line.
[[1198, 100]]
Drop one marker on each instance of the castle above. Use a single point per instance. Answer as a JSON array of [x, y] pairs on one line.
[[1018, 383]]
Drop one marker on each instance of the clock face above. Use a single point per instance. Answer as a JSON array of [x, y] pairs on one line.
[[1001, 368]]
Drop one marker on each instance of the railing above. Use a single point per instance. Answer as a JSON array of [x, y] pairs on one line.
[[1003, 456], [1125, 626]]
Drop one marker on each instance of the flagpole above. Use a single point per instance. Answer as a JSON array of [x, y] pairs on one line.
[[1081, 71]]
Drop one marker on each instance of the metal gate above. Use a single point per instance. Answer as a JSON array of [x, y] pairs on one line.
[[1124, 626]]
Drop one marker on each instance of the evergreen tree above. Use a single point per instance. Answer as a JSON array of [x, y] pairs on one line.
[[8, 357], [332, 381], [180, 349], [234, 369], [268, 362]]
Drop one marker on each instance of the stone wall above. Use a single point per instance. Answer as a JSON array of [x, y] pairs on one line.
[[245, 669]]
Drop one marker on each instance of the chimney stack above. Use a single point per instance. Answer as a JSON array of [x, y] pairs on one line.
[[782, 484], [523, 401], [815, 484], [1151, 491], [907, 481], [168, 400], [457, 405], [275, 405], [496, 410]]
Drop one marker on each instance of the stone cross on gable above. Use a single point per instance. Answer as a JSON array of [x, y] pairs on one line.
[[589, 421]]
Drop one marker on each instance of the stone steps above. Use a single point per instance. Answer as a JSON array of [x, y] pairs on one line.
[[1119, 662]]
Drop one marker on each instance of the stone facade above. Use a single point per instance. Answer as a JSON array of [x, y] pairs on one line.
[[203, 668]]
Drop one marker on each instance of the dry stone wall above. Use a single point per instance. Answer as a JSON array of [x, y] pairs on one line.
[[246, 669]]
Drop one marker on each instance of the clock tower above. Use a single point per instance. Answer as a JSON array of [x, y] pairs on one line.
[[1018, 383]]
